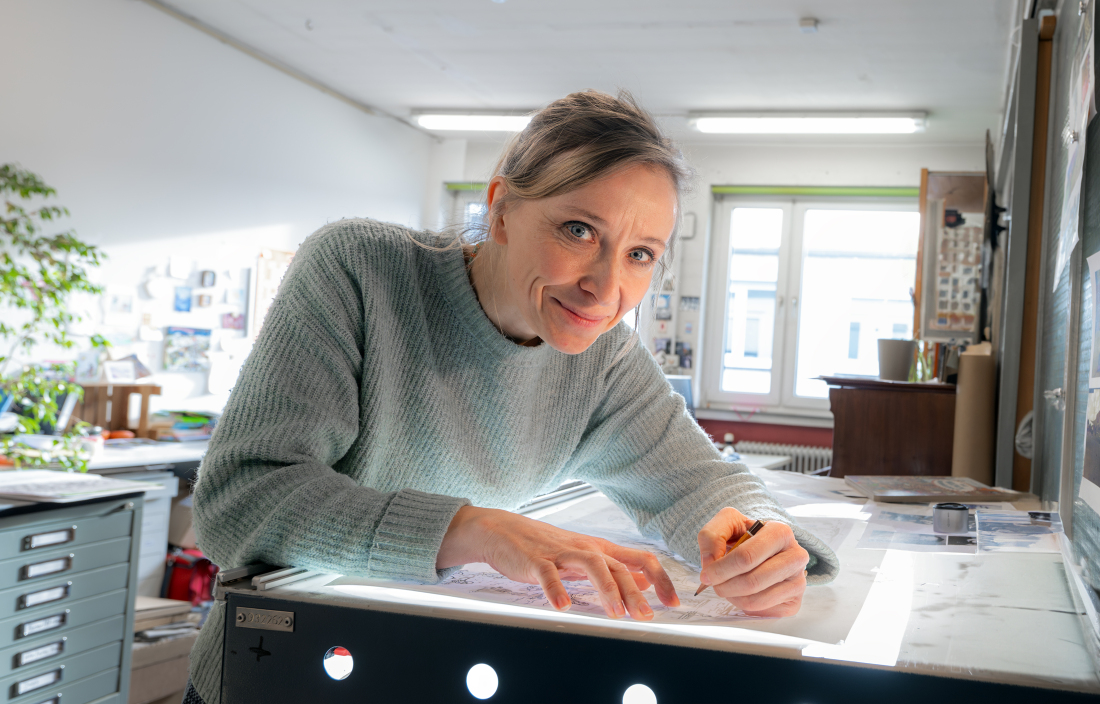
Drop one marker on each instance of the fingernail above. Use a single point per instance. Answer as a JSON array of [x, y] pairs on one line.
[[620, 610], [645, 610]]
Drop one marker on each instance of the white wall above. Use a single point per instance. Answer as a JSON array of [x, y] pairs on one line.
[[163, 141]]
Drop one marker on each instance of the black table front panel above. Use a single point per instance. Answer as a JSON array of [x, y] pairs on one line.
[[403, 658]]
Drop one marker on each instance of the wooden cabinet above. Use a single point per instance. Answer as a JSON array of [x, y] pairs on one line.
[[891, 427]]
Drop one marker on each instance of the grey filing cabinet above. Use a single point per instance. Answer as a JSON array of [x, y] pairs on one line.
[[67, 579]]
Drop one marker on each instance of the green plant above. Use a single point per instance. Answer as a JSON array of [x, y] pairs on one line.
[[38, 273], [37, 392]]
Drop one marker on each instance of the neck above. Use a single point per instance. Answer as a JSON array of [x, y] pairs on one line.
[[488, 276]]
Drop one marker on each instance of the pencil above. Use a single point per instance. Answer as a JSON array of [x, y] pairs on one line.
[[753, 530]]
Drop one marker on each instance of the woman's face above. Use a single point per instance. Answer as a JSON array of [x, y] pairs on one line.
[[575, 263]]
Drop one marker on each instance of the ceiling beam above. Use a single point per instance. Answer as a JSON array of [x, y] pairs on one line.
[[282, 67]]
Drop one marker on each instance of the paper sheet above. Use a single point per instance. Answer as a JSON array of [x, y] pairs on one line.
[[597, 516], [909, 527], [1018, 531]]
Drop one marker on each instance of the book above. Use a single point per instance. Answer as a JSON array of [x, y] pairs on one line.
[[57, 486], [923, 490]]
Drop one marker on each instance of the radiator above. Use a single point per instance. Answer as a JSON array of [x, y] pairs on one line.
[[804, 459]]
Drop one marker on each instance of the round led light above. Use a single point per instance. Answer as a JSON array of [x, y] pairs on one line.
[[338, 663], [639, 694], [481, 680]]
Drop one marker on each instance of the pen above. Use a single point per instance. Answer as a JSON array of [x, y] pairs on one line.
[[753, 530]]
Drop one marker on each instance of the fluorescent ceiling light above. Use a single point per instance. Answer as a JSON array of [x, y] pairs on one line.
[[473, 123], [809, 124]]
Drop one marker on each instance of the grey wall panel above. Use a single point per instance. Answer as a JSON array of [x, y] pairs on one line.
[[1055, 306]]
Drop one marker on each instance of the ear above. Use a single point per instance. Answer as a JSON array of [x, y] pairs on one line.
[[494, 201]]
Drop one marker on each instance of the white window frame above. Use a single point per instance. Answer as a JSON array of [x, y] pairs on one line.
[[781, 400]]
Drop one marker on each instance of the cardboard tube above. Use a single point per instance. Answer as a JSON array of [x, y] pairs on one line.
[[972, 454]]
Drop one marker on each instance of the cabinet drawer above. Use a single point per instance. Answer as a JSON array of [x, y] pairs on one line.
[[42, 680], [41, 566], [48, 596], [43, 650], [55, 534], [82, 691], [62, 619]]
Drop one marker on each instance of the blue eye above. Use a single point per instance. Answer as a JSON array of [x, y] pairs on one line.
[[641, 255], [578, 229]]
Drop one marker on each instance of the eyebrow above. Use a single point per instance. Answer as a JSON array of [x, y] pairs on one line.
[[587, 214], [603, 223]]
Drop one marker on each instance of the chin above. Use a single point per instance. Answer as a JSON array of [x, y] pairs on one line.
[[570, 344]]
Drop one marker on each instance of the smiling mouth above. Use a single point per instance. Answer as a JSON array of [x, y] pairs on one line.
[[579, 318]]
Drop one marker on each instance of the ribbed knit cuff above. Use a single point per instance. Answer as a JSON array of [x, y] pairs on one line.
[[407, 540]]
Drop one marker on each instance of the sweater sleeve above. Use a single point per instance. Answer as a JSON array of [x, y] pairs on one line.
[[645, 452], [271, 487]]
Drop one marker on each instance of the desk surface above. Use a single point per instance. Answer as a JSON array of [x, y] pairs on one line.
[[1005, 617], [148, 456]]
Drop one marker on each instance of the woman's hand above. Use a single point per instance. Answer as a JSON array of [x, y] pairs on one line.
[[764, 576], [533, 552]]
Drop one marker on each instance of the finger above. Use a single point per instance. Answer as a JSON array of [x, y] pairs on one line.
[[783, 610], [774, 595], [640, 581], [547, 575], [772, 539], [779, 568], [636, 605], [593, 565], [727, 525], [648, 564], [789, 607]]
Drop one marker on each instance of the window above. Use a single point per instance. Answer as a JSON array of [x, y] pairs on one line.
[[467, 204], [805, 289]]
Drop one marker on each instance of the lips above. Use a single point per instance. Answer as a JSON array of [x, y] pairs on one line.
[[579, 317]]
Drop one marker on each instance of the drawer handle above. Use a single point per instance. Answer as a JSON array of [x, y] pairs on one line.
[[42, 652], [44, 596], [41, 625], [41, 569], [56, 537], [37, 682]]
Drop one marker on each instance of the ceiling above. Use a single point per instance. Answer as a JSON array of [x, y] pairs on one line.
[[946, 57]]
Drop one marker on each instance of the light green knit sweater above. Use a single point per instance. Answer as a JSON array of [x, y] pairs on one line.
[[379, 399]]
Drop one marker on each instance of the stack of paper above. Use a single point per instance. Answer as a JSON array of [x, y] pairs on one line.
[[63, 487]]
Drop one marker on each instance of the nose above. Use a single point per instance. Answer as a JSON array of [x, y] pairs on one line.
[[601, 281]]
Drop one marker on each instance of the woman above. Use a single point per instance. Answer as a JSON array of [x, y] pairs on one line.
[[405, 392]]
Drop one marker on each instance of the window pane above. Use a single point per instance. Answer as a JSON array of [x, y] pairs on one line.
[[475, 214], [857, 269], [755, 236]]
